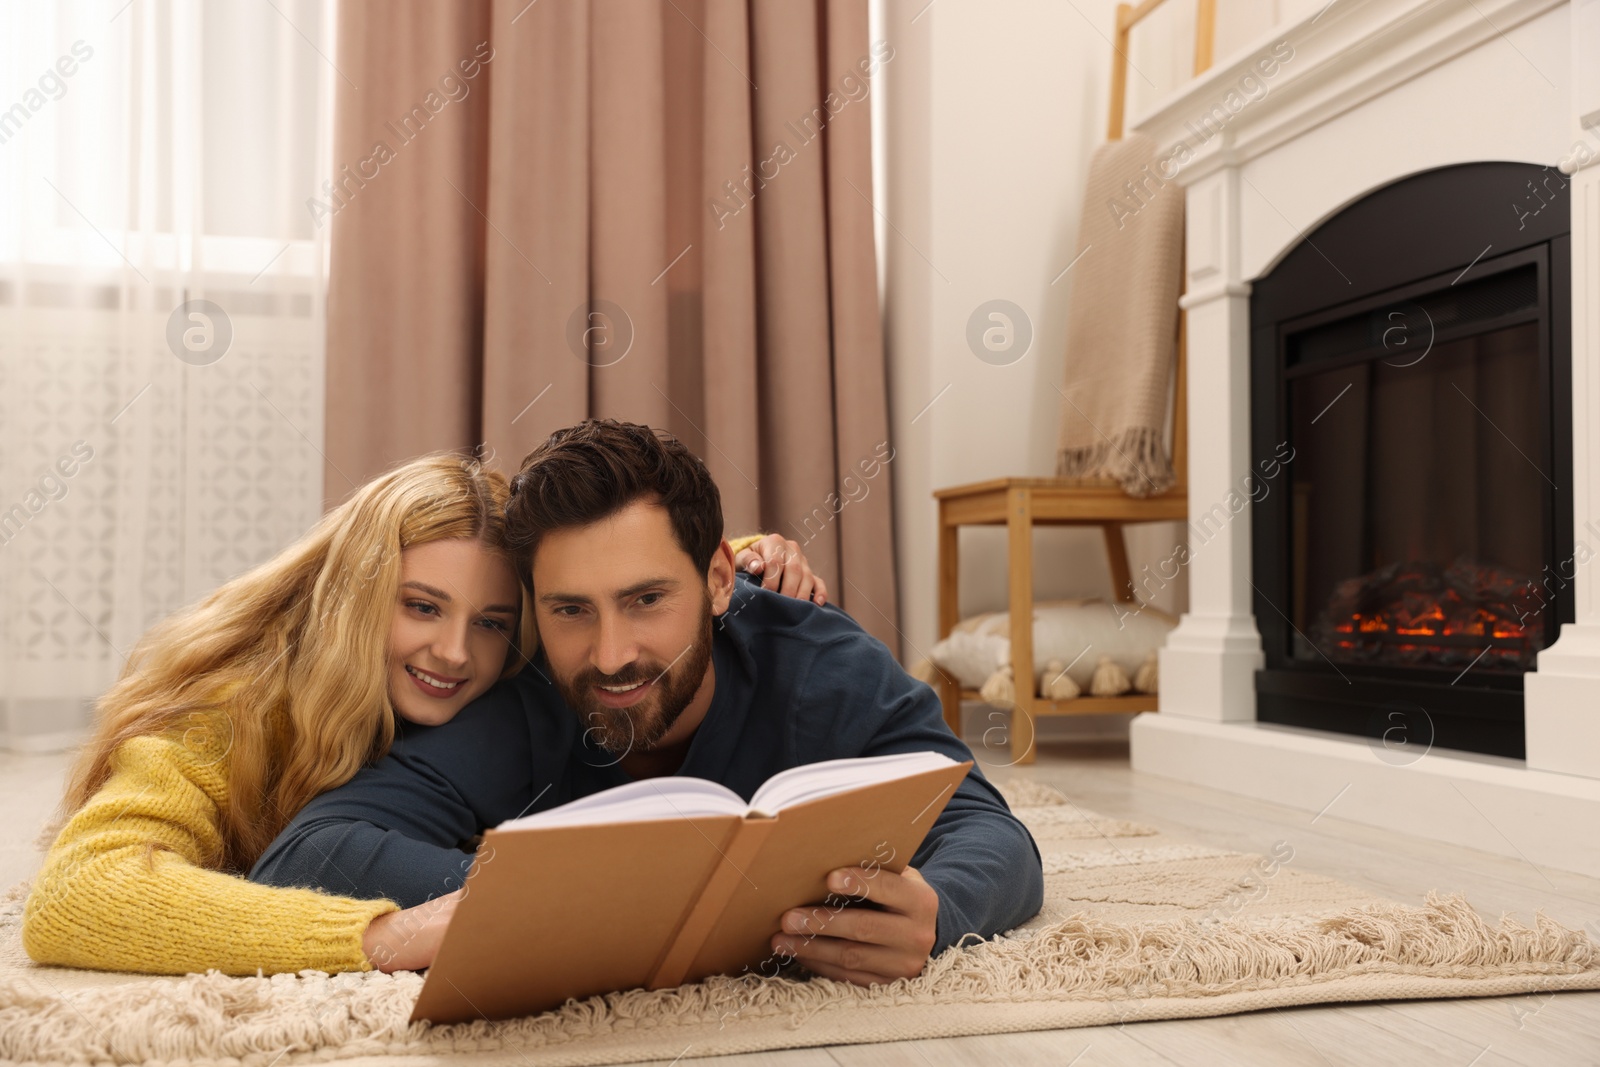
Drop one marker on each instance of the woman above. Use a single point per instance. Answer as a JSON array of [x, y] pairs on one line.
[[231, 715]]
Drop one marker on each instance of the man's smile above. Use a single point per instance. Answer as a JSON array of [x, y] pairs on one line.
[[623, 696]]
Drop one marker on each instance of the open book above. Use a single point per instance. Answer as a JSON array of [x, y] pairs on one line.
[[668, 880]]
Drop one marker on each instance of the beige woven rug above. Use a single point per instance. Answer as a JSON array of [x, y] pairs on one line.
[[1135, 926]]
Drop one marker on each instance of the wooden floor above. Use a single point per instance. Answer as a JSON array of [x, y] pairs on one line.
[[1534, 1031]]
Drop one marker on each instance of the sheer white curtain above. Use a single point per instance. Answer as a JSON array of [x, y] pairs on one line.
[[153, 154]]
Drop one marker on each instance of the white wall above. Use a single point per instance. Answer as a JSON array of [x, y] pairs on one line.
[[989, 114], [992, 113], [1162, 50]]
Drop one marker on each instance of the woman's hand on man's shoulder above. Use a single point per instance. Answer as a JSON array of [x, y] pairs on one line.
[[782, 567]]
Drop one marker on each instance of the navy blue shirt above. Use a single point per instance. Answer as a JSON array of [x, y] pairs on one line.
[[795, 684]]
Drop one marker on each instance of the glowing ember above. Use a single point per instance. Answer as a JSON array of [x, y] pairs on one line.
[[1430, 615]]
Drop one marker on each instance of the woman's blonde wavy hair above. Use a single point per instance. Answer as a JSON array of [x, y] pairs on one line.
[[296, 651]]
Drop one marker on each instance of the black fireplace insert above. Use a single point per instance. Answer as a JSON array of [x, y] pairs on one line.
[[1411, 357]]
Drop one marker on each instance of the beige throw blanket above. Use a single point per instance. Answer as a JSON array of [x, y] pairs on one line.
[[1122, 321]]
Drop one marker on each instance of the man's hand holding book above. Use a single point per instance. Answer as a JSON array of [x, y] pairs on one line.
[[865, 945]]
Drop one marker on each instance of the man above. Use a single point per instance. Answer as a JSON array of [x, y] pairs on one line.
[[656, 660]]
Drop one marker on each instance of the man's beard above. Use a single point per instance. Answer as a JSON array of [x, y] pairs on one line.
[[640, 727]]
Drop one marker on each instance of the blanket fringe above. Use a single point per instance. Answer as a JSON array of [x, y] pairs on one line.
[[1136, 459]]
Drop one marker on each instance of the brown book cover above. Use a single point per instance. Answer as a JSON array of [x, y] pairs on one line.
[[557, 908]]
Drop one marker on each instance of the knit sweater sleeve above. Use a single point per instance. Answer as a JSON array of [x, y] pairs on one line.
[[126, 887], [739, 544]]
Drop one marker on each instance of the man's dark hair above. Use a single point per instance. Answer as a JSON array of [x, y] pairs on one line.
[[593, 470]]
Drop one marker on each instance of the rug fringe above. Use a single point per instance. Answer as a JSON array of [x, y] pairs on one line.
[[250, 1020], [1028, 793]]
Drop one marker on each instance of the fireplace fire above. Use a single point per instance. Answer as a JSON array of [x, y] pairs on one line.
[[1422, 614]]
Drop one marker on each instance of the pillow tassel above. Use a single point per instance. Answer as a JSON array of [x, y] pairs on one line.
[[1145, 680], [1000, 688], [1109, 679], [1055, 683]]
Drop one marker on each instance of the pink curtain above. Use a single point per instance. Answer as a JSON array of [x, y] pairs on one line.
[[551, 210]]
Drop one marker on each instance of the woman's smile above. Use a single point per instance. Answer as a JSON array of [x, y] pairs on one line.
[[434, 685]]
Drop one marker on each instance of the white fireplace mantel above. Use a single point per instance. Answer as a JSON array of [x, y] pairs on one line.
[[1266, 146]]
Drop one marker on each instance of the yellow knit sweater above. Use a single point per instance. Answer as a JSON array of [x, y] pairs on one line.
[[125, 886]]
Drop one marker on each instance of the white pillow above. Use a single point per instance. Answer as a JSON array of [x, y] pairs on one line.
[[1062, 629]]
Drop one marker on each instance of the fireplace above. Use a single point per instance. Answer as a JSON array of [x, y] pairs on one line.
[[1409, 376], [1374, 131]]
